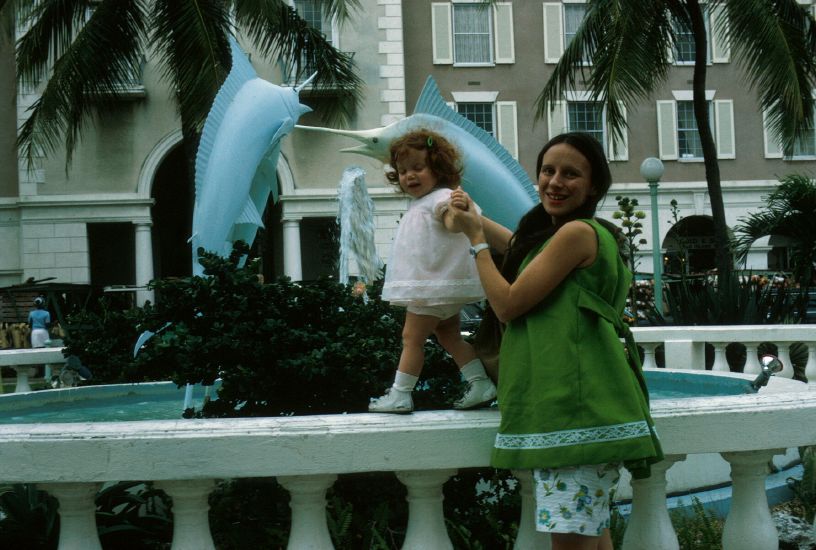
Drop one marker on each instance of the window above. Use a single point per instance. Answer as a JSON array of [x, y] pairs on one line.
[[586, 117], [805, 147], [481, 114], [573, 16], [684, 48], [311, 12], [678, 138], [472, 33], [716, 28], [579, 113]]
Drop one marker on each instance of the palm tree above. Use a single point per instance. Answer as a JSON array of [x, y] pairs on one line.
[[86, 48], [790, 212], [627, 43]]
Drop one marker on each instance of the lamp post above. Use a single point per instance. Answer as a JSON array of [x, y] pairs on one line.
[[652, 170]]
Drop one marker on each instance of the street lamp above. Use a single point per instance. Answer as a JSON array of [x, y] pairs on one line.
[[652, 170]]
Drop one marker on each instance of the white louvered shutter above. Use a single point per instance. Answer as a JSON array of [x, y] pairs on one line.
[[553, 32], [503, 18], [773, 149], [557, 118], [619, 146], [667, 129], [442, 33], [506, 113], [720, 46], [724, 123]]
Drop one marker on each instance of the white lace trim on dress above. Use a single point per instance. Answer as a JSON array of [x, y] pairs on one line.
[[564, 438]]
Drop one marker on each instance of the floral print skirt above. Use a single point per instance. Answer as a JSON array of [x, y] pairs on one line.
[[575, 499]]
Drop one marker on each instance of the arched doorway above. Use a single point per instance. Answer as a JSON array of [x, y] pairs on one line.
[[172, 214], [689, 246]]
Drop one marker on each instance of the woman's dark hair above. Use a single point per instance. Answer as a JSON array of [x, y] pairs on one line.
[[536, 226], [444, 158]]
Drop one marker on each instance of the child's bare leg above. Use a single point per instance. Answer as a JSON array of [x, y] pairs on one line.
[[450, 337], [481, 390], [415, 332], [398, 398], [606, 541], [574, 541]]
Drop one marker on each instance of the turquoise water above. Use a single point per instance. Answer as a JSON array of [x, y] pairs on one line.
[[163, 401]]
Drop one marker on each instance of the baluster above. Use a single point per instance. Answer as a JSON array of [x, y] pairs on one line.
[[308, 503], [426, 519], [23, 372], [77, 511], [749, 523], [783, 352], [191, 522], [720, 360], [649, 354], [810, 368], [649, 525], [752, 365], [528, 537]]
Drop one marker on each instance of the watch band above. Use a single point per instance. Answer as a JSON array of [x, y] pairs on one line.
[[475, 249]]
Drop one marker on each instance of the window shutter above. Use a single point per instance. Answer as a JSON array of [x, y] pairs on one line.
[[724, 121], [442, 33], [506, 125], [667, 129], [619, 147], [720, 46], [773, 149], [553, 32], [503, 17], [557, 118]]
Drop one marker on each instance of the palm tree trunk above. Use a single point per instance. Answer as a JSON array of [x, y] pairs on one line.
[[723, 261]]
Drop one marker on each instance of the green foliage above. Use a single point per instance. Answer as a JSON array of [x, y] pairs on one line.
[[700, 530], [30, 518], [133, 515], [631, 229], [805, 488]]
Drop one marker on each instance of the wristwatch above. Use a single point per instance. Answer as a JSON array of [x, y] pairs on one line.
[[475, 249]]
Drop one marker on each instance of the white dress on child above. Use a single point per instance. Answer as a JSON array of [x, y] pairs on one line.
[[428, 265]]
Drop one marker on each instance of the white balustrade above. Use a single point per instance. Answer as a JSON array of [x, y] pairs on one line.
[[309, 531], [649, 361], [426, 520], [77, 511], [783, 352], [649, 524], [191, 524], [527, 537], [749, 523]]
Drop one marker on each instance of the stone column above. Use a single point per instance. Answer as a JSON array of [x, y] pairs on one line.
[[308, 504], [292, 262], [191, 521], [144, 262], [77, 511], [426, 519], [527, 537], [649, 524]]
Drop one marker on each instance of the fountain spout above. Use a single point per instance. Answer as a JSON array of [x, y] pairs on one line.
[[770, 366]]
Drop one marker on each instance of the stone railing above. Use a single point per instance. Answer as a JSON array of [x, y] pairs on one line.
[[305, 454], [22, 361]]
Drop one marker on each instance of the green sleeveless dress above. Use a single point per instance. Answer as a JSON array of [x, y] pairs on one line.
[[569, 392]]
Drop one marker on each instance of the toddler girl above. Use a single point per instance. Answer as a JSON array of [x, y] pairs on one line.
[[430, 271]]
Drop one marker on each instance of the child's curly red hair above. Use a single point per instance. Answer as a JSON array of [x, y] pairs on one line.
[[444, 159]]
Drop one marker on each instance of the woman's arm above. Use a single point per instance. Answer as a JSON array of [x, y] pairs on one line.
[[574, 245], [498, 236]]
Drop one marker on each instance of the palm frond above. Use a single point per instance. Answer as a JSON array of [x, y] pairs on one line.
[[627, 56], [773, 42], [341, 10], [191, 38], [106, 51], [281, 34]]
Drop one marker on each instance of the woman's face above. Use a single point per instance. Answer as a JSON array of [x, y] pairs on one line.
[[565, 181]]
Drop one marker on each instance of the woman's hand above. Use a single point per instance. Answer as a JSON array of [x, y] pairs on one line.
[[466, 217]]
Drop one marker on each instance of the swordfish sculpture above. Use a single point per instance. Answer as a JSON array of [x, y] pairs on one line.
[[236, 162], [494, 179]]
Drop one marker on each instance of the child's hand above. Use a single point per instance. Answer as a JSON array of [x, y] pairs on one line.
[[459, 199]]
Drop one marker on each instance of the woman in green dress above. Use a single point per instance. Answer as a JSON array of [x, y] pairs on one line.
[[573, 402]]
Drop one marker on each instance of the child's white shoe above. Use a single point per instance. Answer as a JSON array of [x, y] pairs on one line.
[[394, 401], [480, 393]]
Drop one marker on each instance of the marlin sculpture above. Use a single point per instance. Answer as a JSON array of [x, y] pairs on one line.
[[237, 158], [494, 179]]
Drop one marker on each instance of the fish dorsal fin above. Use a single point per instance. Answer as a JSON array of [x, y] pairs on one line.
[[250, 215], [240, 73], [267, 172], [431, 102]]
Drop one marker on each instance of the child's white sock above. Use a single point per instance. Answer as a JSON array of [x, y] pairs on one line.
[[473, 370], [404, 382]]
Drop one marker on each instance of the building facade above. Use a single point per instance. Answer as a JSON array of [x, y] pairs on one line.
[[120, 213]]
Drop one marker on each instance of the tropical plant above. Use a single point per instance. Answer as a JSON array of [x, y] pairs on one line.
[[28, 518], [86, 48], [632, 228], [623, 59], [699, 529], [790, 212]]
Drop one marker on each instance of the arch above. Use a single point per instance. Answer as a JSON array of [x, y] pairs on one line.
[[154, 158], [689, 246]]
